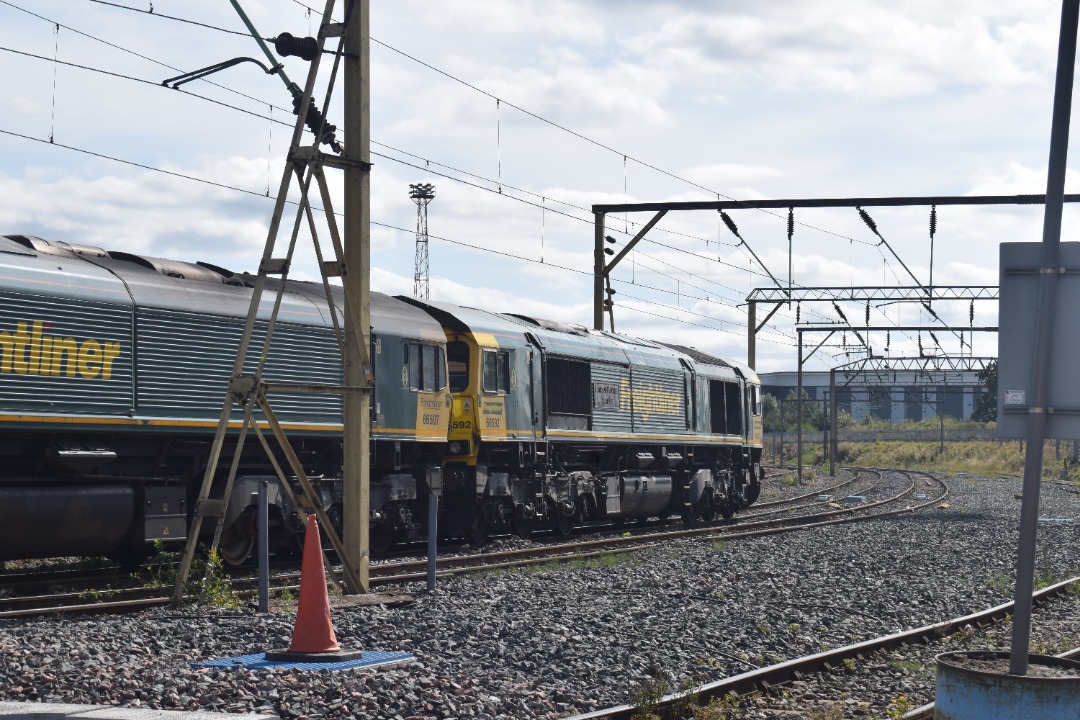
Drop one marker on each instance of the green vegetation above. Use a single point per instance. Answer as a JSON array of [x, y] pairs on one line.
[[898, 707], [95, 595], [828, 711], [206, 581], [646, 697], [908, 666], [987, 458]]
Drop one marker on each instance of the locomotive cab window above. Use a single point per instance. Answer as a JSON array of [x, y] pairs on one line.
[[497, 371], [725, 408], [457, 358], [426, 367]]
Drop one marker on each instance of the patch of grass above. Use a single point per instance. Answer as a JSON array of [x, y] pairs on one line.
[[828, 711], [95, 595], [986, 458], [898, 707], [1053, 647], [1000, 582], [908, 666], [790, 479], [206, 580], [646, 697]]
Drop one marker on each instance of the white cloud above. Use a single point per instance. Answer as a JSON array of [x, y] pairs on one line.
[[726, 173]]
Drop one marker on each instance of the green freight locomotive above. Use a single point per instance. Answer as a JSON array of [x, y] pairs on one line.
[[114, 367]]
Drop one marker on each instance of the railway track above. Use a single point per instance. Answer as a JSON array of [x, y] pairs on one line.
[[773, 677], [403, 572]]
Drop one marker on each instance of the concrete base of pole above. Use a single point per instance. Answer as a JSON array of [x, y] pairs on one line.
[[978, 686]]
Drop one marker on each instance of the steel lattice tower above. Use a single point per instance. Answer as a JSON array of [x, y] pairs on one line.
[[422, 194]]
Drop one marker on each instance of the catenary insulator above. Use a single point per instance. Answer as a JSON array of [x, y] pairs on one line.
[[933, 221], [305, 48], [314, 119], [869, 221], [730, 224]]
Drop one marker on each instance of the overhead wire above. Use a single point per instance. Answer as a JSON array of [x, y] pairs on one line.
[[448, 75], [388, 157], [502, 101], [193, 178]]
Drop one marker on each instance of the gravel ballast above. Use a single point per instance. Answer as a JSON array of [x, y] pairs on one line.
[[556, 642]]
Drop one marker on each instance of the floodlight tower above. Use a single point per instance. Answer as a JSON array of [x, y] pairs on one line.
[[422, 194]]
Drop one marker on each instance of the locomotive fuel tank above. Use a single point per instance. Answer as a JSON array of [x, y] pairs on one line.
[[644, 495]]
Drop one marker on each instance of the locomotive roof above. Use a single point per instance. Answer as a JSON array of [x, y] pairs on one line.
[[34, 265], [557, 338]]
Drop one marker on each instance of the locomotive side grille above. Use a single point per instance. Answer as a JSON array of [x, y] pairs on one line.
[[41, 342], [659, 399], [184, 362], [615, 416]]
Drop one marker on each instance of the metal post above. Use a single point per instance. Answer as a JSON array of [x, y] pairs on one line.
[[432, 550], [1048, 276], [798, 412], [598, 273], [357, 248], [941, 421], [751, 334], [833, 444], [783, 404], [264, 549]]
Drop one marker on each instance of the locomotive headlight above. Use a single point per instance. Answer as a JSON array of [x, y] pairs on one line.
[[455, 448]]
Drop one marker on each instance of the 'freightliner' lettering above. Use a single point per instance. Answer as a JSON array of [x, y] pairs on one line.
[[29, 351]]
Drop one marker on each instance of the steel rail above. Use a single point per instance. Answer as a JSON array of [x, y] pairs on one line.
[[795, 669], [390, 574]]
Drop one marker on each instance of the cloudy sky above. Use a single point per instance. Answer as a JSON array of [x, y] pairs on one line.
[[524, 114]]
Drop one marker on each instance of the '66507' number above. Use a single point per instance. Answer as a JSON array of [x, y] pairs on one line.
[[428, 419]]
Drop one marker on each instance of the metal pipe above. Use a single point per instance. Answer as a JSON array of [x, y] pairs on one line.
[[833, 445], [1049, 264], [830, 203], [264, 548], [598, 273], [798, 411], [274, 62], [432, 539]]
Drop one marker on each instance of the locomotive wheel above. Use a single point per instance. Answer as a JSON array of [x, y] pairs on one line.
[[705, 508], [727, 510], [381, 539], [523, 527], [564, 524], [480, 529], [238, 540]]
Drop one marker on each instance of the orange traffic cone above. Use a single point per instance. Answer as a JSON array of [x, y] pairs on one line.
[[313, 634]]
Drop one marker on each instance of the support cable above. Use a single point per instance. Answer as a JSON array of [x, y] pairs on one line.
[[56, 55]]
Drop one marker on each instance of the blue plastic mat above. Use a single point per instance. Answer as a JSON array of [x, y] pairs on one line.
[[370, 658]]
